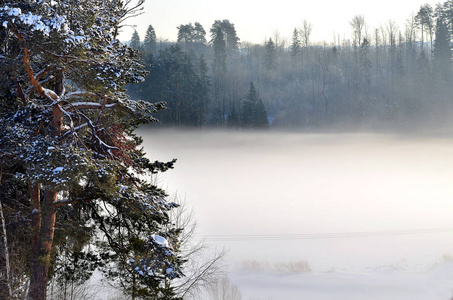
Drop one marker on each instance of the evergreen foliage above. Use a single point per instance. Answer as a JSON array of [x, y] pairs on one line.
[[220, 52], [442, 50], [199, 35], [392, 78], [191, 33], [228, 31], [182, 82], [424, 20], [270, 60], [253, 111], [149, 43], [71, 163], [192, 37], [296, 46], [135, 41]]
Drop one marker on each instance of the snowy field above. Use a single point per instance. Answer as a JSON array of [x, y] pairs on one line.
[[370, 213], [434, 283]]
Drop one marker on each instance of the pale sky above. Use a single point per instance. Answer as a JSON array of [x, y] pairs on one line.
[[257, 20]]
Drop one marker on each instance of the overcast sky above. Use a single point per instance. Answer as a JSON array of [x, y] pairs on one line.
[[256, 20]]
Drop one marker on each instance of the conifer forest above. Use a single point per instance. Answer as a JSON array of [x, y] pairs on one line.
[[396, 75]]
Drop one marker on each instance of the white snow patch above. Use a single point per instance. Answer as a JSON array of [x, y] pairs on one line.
[[160, 240], [57, 170], [13, 11]]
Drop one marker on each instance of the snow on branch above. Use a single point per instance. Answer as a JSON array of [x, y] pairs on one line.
[[89, 105], [51, 95], [33, 21], [80, 93]]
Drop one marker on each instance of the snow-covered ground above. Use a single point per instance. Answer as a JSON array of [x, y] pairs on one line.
[[431, 283], [345, 203]]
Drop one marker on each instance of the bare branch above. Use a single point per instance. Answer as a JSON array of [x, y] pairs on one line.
[[20, 92], [102, 109], [42, 73], [100, 142]]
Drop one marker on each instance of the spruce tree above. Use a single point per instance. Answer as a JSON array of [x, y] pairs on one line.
[[135, 41], [296, 46], [149, 43], [260, 115], [442, 50], [253, 114], [270, 59]]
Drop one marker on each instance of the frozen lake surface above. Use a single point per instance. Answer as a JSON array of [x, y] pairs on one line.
[[345, 203]]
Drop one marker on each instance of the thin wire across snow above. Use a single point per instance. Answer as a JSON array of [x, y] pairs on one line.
[[339, 235]]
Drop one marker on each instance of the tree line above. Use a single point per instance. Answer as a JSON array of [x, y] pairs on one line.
[[396, 75]]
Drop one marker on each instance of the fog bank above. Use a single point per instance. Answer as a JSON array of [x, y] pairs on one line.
[[338, 201]]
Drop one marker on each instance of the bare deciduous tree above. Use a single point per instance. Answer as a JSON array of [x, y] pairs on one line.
[[223, 289], [306, 32], [359, 28], [202, 268]]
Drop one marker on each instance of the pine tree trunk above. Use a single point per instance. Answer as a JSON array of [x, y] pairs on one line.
[[35, 215], [133, 286], [44, 222], [40, 266]]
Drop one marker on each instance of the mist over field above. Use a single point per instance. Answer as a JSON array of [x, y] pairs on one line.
[[354, 203]]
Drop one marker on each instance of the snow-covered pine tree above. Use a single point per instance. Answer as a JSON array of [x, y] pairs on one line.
[[68, 134]]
